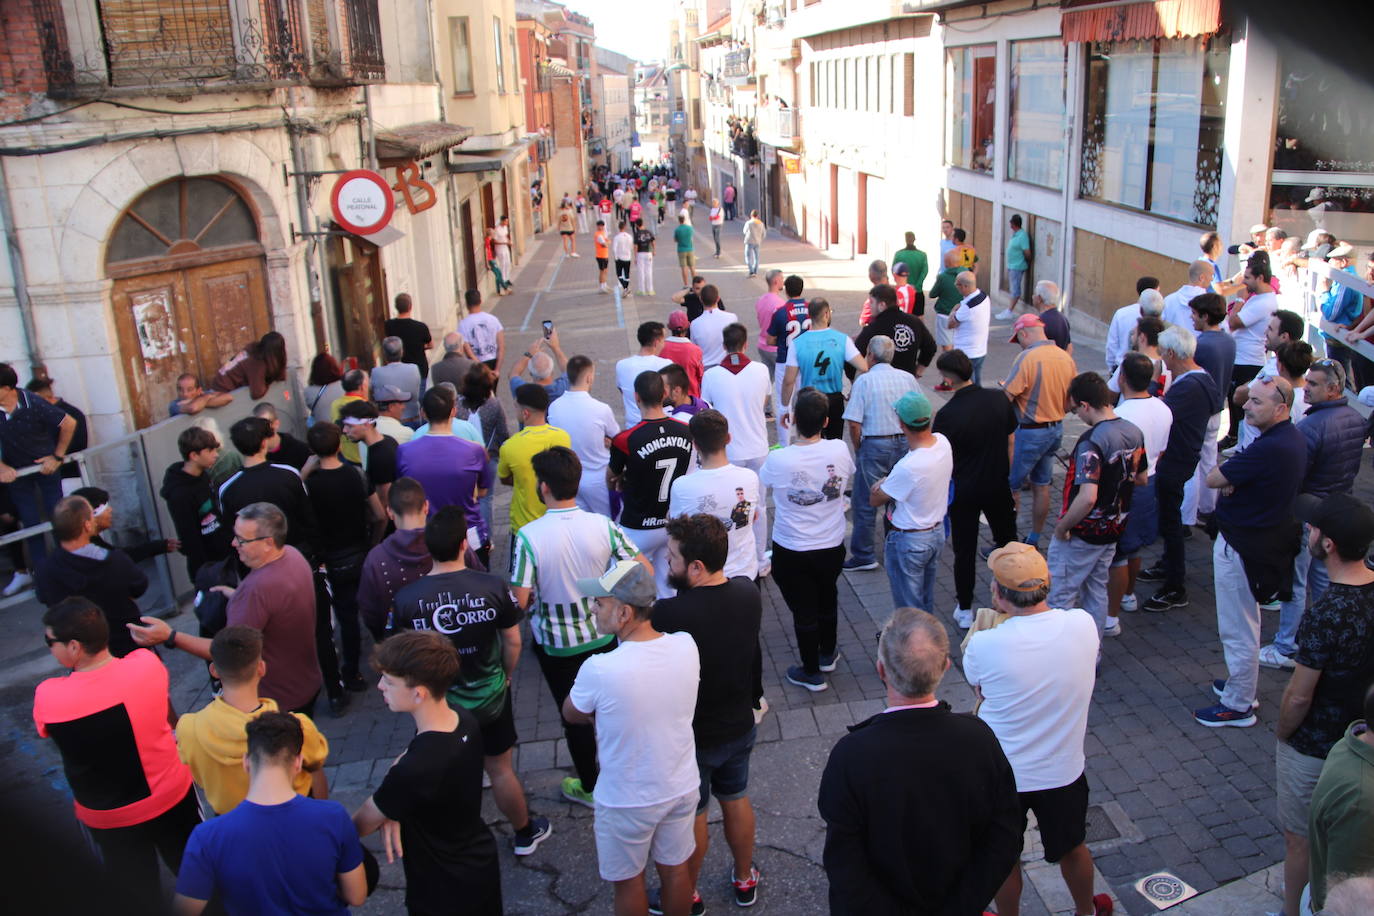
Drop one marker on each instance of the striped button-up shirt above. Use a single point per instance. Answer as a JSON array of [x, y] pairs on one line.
[[872, 397]]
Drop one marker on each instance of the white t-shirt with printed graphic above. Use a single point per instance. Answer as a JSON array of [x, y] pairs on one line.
[[808, 482], [732, 494]]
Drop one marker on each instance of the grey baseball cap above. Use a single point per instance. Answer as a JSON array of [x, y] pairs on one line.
[[627, 581]]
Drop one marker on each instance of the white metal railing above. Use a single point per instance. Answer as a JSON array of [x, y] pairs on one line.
[[1309, 280]]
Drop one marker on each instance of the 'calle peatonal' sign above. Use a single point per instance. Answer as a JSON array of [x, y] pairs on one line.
[[362, 202]]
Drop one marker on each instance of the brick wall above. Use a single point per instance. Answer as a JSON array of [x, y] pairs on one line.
[[23, 79], [567, 113]]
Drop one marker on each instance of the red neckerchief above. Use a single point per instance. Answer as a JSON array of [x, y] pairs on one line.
[[735, 362]]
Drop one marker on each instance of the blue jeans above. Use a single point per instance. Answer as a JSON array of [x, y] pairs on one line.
[[751, 258], [1309, 578], [876, 456], [977, 369], [34, 495], [912, 562], [1033, 454], [1015, 282]]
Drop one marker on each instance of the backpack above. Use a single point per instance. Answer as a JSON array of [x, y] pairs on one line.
[[212, 608]]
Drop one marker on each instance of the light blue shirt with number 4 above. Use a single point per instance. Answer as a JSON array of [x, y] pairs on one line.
[[819, 356]]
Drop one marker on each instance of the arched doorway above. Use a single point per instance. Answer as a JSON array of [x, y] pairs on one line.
[[189, 287]]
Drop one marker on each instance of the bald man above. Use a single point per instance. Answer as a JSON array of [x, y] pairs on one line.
[[458, 359]]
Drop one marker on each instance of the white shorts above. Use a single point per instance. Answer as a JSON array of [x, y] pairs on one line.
[[943, 336], [653, 543], [626, 838]]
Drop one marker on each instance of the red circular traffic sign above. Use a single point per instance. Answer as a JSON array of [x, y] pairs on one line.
[[362, 202]]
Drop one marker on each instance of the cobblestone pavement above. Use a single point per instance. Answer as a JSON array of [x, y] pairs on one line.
[[1173, 795]]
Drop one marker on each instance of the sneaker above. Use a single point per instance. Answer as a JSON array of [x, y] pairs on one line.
[[1271, 657], [746, 891], [339, 705], [1167, 598], [574, 255], [537, 832], [944, 386], [1005, 315], [760, 710], [21, 581], [656, 903], [1219, 716], [813, 682], [1112, 627], [356, 684], [1152, 573], [1274, 605], [963, 617], [828, 661], [1219, 687], [1129, 604], [573, 792], [1102, 905], [853, 565]]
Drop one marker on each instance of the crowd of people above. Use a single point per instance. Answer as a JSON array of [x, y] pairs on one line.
[[637, 552]]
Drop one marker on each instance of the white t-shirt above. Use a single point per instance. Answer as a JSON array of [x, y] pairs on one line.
[[1254, 315], [743, 398], [708, 333], [808, 484], [732, 494], [589, 423], [1176, 310], [644, 695], [1154, 418], [480, 330], [1036, 674], [971, 335], [626, 371], [623, 246], [919, 484]]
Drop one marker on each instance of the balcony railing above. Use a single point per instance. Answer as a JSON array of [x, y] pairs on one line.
[[779, 126], [94, 47], [737, 68]]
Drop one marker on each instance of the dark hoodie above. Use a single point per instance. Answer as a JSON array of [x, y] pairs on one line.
[[391, 566], [107, 577], [190, 501]]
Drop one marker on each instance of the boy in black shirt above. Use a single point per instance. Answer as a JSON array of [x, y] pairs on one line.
[[359, 422], [722, 616], [645, 460], [415, 336], [201, 533], [261, 481], [429, 805], [349, 518], [476, 612]]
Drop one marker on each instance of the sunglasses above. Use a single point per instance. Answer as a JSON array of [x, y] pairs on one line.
[[52, 640]]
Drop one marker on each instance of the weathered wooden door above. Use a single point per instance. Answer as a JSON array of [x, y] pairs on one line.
[[360, 296]]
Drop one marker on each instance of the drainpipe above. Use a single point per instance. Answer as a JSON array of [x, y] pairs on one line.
[[312, 276], [21, 284]]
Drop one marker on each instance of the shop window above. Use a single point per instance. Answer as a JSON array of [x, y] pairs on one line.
[[1035, 147], [1154, 115], [971, 103]]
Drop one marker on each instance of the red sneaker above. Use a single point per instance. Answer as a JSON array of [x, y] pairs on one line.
[[944, 386], [1102, 905]]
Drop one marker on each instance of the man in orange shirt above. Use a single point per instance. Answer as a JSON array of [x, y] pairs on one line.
[[1037, 385], [603, 253]]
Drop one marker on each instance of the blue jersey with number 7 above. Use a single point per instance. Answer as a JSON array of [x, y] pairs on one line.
[[820, 359]]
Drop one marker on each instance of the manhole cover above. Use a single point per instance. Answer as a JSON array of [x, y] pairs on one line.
[[1164, 890], [1100, 826]]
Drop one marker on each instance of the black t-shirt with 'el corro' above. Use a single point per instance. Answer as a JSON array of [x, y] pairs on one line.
[[435, 791], [724, 622]]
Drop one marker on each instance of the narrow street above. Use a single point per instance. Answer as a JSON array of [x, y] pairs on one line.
[[1167, 793]]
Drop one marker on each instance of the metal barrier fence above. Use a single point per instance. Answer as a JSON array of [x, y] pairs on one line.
[[131, 469]]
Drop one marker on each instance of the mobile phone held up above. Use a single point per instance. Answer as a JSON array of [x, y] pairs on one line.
[[548, 329]]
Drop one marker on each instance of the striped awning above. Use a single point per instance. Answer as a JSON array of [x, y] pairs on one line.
[[1088, 20]]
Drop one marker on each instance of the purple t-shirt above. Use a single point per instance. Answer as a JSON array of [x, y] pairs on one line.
[[450, 469]]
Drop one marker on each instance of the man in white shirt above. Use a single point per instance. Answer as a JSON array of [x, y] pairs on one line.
[[1247, 325], [1154, 419], [918, 485], [1035, 674], [642, 697], [483, 332], [651, 335], [739, 389], [622, 252], [1176, 311], [709, 327], [721, 488], [969, 322], [591, 426], [1125, 319]]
